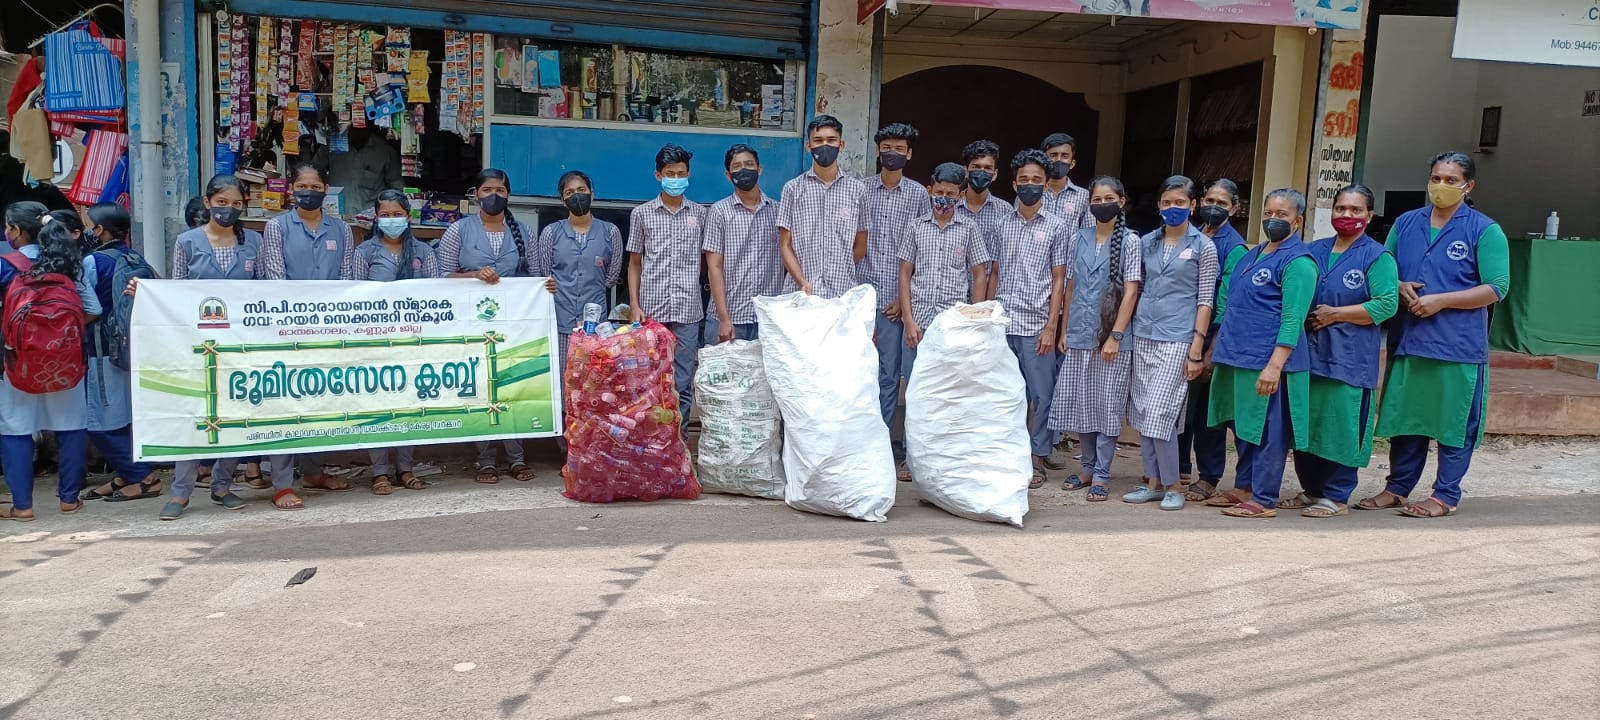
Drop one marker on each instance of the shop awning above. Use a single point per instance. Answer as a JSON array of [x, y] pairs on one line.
[[757, 28], [1345, 14]]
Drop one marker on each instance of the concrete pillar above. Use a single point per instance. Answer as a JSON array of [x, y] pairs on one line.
[[844, 78], [180, 138], [1288, 101]]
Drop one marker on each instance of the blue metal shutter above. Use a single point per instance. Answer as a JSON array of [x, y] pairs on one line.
[[761, 28]]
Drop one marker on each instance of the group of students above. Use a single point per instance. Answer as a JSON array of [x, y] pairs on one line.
[[1280, 342]]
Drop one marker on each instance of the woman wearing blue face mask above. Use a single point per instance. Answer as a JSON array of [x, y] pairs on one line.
[[392, 253], [488, 246]]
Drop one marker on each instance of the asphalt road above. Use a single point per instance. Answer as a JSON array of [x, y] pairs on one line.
[[744, 609]]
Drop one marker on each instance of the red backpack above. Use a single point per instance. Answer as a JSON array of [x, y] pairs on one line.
[[43, 329]]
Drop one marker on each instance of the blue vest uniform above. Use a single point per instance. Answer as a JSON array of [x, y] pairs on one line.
[[477, 254], [1255, 309], [580, 270], [1345, 352], [311, 253], [1171, 290], [1448, 263]]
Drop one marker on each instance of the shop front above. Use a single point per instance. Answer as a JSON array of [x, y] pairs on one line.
[[424, 94]]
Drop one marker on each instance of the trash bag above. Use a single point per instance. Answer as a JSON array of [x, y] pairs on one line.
[[623, 437], [823, 369], [740, 445], [966, 418]]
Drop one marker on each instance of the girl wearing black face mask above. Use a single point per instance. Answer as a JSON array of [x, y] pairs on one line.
[[1210, 445], [1261, 381], [581, 255]]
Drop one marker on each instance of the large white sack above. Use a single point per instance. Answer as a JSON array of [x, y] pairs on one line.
[[740, 445], [823, 369], [966, 418]]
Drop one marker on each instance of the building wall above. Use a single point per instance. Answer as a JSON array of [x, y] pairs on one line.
[[845, 86], [1424, 102]]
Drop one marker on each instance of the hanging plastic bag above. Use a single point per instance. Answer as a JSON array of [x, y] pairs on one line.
[[740, 446], [966, 418], [823, 369], [623, 437]]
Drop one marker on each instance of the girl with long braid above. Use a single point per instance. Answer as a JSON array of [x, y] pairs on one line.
[[44, 245], [1104, 272], [476, 247]]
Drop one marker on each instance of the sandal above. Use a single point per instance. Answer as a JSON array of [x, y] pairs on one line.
[[1325, 508], [381, 485], [1373, 503], [256, 481], [1099, 493], [94, 493], [147, 489], [1423, 510], [1200, 491], [72, 507], [410, 481], [287, 499], [1298, 502], [1228, 499], [522, 472], [9, 512], [1073, 482], [1248, 509], [1038, 478], [902, 472], [488, 474], [325, 484]]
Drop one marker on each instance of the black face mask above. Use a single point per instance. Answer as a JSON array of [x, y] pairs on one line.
[[1030, 194], [892, 160], [979, 179], [1212, 215], [1059, 169], [309, 200], [578, 203], [493, 204], [225, 216], [745, 178], [1105, 212], [1277, 230], [825, 155]]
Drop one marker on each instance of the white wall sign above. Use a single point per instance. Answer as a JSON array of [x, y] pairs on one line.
[[1549, 32]]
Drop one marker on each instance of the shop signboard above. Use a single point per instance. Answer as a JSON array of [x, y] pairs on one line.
[[1339, 14], [1341, 117], [246, 367], [1548, 32]]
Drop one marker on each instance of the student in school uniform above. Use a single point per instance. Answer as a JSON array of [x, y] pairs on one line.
[[665, 237], [893, 201], [1169, 335], [43, 244], [1261, 382], [581, 254], [1069, 202], [1358, 288], [489, 245], [220, 249], [1453, 264], [1031, 269], [393, 253], [741, 248], [822, 217], [982, 161], [943, 259], [1103, 277], [1209, 445], [306, 243]]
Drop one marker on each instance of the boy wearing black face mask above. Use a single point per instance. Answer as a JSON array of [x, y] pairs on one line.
[[1061, 197], [822, 217], [741, 231], [893, 201], [982, 161]]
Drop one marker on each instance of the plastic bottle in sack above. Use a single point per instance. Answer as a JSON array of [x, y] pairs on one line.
[[592, 314], [605, 330]]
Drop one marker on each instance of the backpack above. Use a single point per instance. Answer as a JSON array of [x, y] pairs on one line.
[[112, 327], [43, 329]]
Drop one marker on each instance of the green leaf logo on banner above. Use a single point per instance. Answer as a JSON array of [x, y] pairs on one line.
[[487, 309]]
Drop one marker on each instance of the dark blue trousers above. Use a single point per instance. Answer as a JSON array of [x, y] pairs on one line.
[[1409, 453], [16, 453], [117, 447], [1261, 466]]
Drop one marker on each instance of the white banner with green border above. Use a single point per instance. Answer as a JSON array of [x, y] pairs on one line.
[[235, 367]]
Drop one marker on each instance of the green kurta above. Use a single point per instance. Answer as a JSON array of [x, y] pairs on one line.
[[1334, 403], [1233, 389], [1228, 264], [1433, 398]]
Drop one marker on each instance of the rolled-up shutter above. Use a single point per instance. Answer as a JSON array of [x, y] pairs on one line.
[[764, 28]]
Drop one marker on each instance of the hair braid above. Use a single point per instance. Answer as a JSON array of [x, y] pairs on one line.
[[1111, 300], [515, 228]]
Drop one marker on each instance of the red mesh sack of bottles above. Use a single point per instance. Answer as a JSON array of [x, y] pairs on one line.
[[623, 439]]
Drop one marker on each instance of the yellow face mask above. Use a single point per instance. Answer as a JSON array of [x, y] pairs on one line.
[[1445, 196]]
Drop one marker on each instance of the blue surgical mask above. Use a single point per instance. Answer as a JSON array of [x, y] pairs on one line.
[[393, 226], [675, 186], [1175, 216]]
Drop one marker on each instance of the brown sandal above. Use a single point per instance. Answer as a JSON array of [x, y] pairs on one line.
[[1424, 510], [1248, 509], [9, 512], [1372, 503], [522, 472], [1228, 499], [381, 485], [72, 507], [410, 481], [1298, 502], [1038, 478], [488, 474], [324, 482], [1200, 491]]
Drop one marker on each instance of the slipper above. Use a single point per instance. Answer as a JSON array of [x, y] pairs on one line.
[[1228, 499], [1324, 508], [1298, 502], [10, 513], [1422, 510], [1371, 503], [299, 504], [488, 474], [1200, 491], [1073, 482], [1249, 509], [410, 481], [381, 485], [522, 472], [1099, 493], [1038, 479], [70, 508]]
